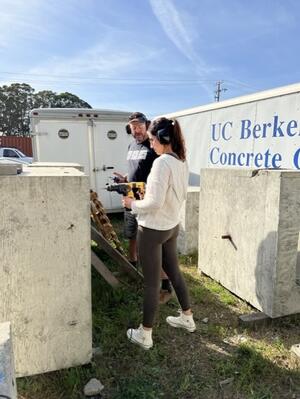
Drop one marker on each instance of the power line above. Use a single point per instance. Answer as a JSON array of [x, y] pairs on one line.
[[97, 83], [79, 80], [239, 83], [105, 78]]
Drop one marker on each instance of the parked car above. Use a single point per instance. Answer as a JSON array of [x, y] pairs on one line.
[[15, 154]]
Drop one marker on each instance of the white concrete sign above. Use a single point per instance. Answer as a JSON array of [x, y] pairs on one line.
[[260, 131]]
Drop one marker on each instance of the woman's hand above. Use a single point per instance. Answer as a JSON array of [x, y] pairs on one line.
[[126, 201]]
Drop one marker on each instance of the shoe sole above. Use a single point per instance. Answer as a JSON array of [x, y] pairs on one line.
[[191, 329], [138, 343]]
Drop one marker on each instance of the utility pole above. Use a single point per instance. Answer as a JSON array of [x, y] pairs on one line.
[[219, 90]]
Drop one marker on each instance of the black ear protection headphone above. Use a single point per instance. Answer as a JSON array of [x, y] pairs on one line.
[[163, 135]]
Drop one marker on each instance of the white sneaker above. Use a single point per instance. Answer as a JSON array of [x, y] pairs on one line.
[[182, 321], [140, 337]]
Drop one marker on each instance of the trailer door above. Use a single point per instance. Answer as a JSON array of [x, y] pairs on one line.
[[110, 147], [63, 141]]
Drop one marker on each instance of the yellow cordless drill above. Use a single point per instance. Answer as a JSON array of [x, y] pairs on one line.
[[135, 190]]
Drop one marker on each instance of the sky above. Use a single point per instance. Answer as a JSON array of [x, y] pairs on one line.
[[153, 56]]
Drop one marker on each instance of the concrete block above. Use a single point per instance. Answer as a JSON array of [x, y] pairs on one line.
[[45, 269], [57, 165], [249, 235], [187, 241], [254, 319], [8, 385], [9, 168]]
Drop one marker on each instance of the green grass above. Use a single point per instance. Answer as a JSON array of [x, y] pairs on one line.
[[180, 365], [224, 296]]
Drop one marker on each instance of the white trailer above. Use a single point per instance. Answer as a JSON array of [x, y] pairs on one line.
[[94, 138], [260, 131]]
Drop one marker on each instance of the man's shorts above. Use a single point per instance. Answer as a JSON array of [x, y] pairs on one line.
[[130, 225]]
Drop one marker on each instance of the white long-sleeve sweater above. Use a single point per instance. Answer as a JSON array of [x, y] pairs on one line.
[[165, 192]]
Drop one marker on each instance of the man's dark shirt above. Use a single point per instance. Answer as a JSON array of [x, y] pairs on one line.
[[140, 158]]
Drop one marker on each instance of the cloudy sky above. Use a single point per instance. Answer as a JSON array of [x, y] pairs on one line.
[[156, 56]]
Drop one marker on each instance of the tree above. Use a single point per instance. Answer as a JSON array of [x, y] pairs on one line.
[[44, 99], [18, 99], [49, 99], [69, 100], [15, 101]]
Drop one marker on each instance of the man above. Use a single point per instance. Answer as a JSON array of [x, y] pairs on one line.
[[140, 157]]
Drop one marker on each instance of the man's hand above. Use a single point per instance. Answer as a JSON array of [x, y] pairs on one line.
[[120, 178], [127, 201]]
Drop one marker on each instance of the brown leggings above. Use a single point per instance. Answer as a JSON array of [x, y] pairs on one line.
[[158, 249]]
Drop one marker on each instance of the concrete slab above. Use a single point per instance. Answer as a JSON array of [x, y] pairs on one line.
[[45, 269], [249, 235], [57, 165], [254, 319], [187, 241], [9, 169]]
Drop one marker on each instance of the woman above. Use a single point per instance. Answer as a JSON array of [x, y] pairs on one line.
[[158, 225]]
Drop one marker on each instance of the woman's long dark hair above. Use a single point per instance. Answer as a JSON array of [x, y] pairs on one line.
[[172, 132]]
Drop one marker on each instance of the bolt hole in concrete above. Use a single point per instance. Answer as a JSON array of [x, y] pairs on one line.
[[298, 263]]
